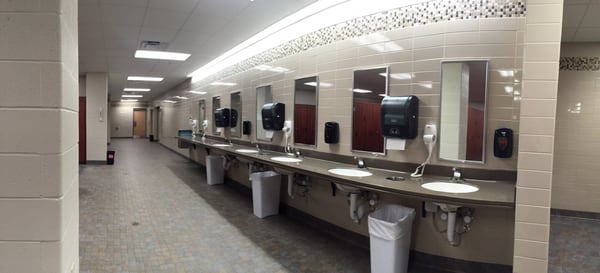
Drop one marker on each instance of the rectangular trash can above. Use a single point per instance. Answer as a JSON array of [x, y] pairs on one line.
[[265, 193], [214, 170], [390, 228]]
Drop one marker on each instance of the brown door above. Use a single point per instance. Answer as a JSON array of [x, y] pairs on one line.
[[82, 134], [139, 123]]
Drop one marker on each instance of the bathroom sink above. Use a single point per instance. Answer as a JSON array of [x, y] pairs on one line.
[[349, 172], [450, 187], [286, 159], [246, 151], [222, 145]]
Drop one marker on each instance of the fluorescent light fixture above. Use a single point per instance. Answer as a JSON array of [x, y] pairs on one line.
[[169, 101], [144, 79], [197, 92], [180, 97], [161, 55], [129, 100], [132, 96], [223, 83], [322, 84], [276, 69], [362, 91], [316, 16], [137, 89]]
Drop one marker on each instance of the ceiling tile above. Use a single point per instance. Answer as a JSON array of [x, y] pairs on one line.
[[130, 3], [591, 16], [121, 37], [122, 15], [587, 35], [142, 68], [174, 5], [89, 13], [568, 34], [573, 15], [188, 41], [160, 18], [158, 34], [205, 23]]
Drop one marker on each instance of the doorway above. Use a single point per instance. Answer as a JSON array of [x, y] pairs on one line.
[[139, 123]]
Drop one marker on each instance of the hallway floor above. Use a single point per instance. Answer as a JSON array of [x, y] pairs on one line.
[[153, 212]]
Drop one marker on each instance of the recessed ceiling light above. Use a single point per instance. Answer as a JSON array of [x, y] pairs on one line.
[[132, 96], [129, 100], [161, 55], [362, 91], [180, 97], [145, 79], [137, 89], [197, 92], [224, 83], [169, 101]]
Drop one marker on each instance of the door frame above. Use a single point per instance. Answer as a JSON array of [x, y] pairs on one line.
[[145, 121]]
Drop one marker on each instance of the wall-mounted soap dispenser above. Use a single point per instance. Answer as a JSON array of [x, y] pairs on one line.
[[400, 116], [222, 117], [332, 132], [273, 116], [246, 127]]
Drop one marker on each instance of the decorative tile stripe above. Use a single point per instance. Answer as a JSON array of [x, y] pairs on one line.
[[580, 63], [409, 16]]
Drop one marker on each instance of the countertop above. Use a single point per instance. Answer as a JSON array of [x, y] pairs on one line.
[[490, 193]]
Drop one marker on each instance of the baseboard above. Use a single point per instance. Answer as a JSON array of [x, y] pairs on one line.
[[95, 162], [575, 213]]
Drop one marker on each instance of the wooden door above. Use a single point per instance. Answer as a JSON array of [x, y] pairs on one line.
[[139, 123], [82, 132], [366, 131], [304, 127]]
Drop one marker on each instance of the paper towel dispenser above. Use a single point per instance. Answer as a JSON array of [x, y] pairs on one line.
[[273, 116], [222, 117], [400, 116]]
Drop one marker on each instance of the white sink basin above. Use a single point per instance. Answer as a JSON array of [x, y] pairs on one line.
[[349, 172], [222, 145], [450, 187], [286, 159], [246, 151]]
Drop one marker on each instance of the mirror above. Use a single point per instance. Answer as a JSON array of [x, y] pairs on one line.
[[263, 96], [236, 114], [370, 86], [201, 115], [463, 110], [216, 103], [305, 111]]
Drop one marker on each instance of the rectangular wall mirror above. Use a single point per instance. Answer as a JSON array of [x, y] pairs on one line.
[[305, 111], [236, 114], [263, 96], [370, 86], [463, 111], [216, 103], [201, 115]]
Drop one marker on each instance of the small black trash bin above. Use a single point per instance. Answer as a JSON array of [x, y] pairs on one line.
[[151, 138], [110, 157]]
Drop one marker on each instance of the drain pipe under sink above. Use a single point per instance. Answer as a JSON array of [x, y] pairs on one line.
[[290, 188]]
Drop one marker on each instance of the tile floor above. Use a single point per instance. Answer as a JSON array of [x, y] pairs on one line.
[[574, 245], [153, 212]]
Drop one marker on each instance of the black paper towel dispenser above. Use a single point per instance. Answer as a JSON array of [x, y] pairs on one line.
[[273, 115], [221, 117], [400, 117]]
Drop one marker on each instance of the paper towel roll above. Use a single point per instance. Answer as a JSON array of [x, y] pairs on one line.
[[219, 129], [395, 144], [428, 139], [269, 134]]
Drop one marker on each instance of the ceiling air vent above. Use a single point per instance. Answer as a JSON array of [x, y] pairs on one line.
[[153, 45]]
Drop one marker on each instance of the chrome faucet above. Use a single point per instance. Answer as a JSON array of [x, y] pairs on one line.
[[260, 152], [456, 175], [361, 163], [297, 154]]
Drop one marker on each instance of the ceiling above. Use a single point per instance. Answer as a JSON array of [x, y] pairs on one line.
[[111, 30], [580, 21]]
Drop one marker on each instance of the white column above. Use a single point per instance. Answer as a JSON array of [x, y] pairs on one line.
[[96, 90], [39, 186]]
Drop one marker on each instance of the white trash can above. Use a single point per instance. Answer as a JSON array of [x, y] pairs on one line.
[[389, 229], [265, 193], [214, 170]]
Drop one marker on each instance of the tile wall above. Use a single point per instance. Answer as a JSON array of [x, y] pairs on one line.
[[38, 144], [538, 111]]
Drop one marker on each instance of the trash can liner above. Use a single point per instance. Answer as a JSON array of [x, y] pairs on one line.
[[391, 222]]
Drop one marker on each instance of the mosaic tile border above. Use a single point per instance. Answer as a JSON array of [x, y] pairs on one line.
[[579, 63], [409, 16]]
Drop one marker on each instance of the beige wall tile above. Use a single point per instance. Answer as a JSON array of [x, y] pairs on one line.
[[542, 52], [497, 24], [538, 108], [544, 13], [535, 179], [461, 38], [531, 249], [533, 196], [540, 70], [532, 214], [536, 126], [536, 144], [532, 232], [528, 265], [29, 36], [539, 89], [31, 219], [535, 161], [20, 257], [18, 181], [540, 33]]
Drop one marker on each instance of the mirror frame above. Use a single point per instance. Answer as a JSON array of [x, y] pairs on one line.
[[238, 131], [485, 114], [258, 125], [201, 114], [214, 127], [387, 81], [316, 111]]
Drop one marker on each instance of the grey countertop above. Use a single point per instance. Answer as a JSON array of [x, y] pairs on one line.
[[490, 193]]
